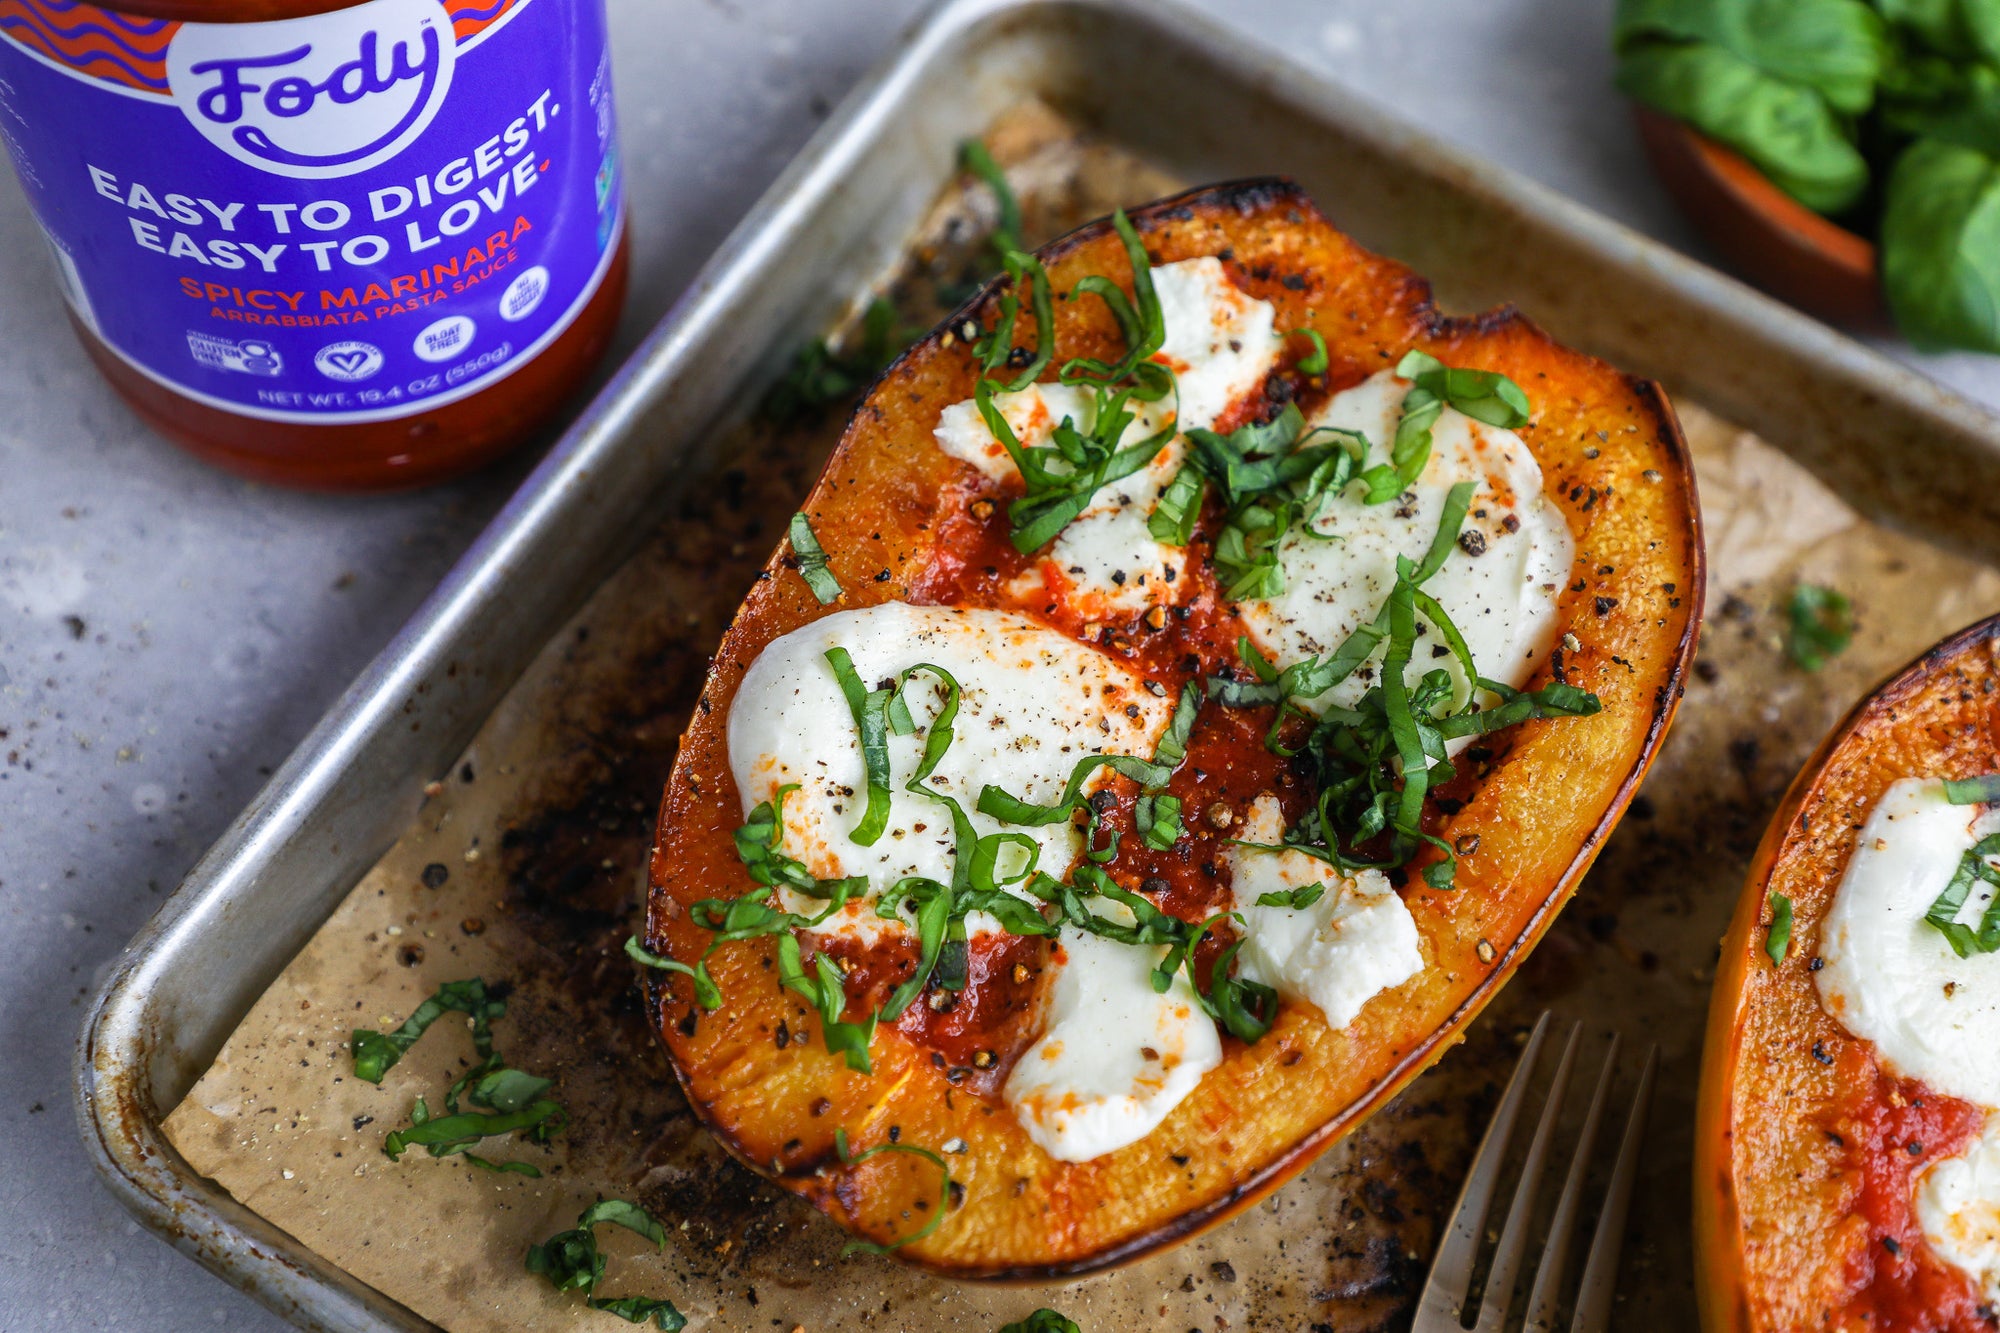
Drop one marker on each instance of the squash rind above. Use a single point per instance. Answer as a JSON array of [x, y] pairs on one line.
[[1734, 1298], [1610, 448]]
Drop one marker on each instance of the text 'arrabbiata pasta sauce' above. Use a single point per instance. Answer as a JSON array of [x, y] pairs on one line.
[[328, 245]]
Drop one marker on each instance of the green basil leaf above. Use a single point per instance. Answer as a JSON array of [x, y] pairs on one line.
[[1821, 626], [638, 1309], [1788, 132], [1173, 517], [1778, 937], [1833, 48], [706, 993], [1158, 819], [375, 1053], [1043, 1320], [628, 1215], [508, 1089], [1296, 899], [1981, 790], [819, 376], [1007, 230], [446, 1134], [825, 989], [528, 1169], [1315, 361], [1973, 868], [995, 349], [571, 1261], [1941, 246], [812, 561], [1246, 1009], [848, 1158], [871, 717]]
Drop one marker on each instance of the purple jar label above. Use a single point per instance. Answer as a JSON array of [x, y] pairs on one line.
[[354, 216]]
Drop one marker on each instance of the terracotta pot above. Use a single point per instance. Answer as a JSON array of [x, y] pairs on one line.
[[1770, 239]]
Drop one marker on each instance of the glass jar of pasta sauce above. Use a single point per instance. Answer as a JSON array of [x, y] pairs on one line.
[[339, 245]]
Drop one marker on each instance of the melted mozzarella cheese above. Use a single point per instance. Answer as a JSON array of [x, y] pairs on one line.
[[1355, 942], [1893, 980], [1502, 600], [1033, 702], [1116, 1057], [1220, 343], [1958, 1206]]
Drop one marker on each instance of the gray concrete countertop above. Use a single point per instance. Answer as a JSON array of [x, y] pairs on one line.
[[168, 633]]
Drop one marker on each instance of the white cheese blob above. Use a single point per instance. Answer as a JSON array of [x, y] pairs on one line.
[[1891, 979], [1355, 942], [1958, 1206], [1503, 600], [1220, 343], [1033, 702], [1116, 1057]]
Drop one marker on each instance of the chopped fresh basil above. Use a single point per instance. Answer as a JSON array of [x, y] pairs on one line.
[[825, 988], [1297, 899], [871, 718], [812, 561], [1973, 868], [706, 993], [1483, 395], [848, 1158], [1373, 764], [1315, 361], [996, 349], [1061, 478], [1821, 626], [1981, 790], [1272, 476], [1157, 819], [1141, 319], [820, 377], [1246, 1009], [1174, 514], [571, 1261], [638, 1309], [1043, 1320], [1007, 226], [375, 1053], [502, 1168], [1778, 937], [441, 1136]]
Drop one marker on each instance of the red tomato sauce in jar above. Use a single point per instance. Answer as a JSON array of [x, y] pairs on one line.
[[336, 245]]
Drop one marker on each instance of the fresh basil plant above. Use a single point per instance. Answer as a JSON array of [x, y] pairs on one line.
[[1885, 115]]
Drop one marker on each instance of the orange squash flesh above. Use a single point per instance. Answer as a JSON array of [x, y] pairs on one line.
[[1804, 1156], [889, 510]]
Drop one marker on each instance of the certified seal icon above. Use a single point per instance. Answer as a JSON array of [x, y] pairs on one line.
[[349, 362]]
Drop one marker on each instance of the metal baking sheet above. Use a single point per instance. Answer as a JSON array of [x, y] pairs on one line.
[[833, 225]]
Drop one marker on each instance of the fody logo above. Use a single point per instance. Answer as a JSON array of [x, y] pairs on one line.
[[316, 97]]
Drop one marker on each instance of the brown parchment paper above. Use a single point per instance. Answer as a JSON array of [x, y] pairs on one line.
[[527, 867]]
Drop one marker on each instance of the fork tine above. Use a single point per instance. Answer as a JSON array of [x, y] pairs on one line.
[[1438, 1310], [1514, 1235], [1554, 1266], [1600, 1271]]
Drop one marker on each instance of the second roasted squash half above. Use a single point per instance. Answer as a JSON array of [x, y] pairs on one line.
[[1848, 1127], [968, 918]]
